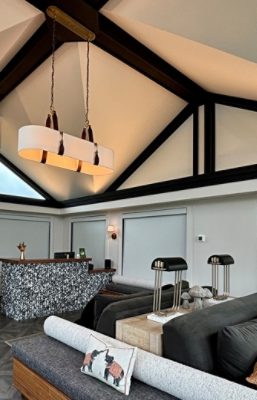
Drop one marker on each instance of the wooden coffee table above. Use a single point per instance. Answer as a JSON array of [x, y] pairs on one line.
[[141, 332]]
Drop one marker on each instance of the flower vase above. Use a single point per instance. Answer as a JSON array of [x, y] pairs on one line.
[[22, 255]]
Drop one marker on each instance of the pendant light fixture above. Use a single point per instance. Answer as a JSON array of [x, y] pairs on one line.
[[46, 144]]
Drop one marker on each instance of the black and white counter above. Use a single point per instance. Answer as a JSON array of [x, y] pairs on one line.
[[37, 288]]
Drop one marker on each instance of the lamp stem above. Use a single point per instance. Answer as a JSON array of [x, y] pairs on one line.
[[53, 68], [87, 90]]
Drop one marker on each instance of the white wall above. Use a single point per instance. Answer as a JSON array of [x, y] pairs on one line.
[[172, 160], [230, 228], [236, 139]]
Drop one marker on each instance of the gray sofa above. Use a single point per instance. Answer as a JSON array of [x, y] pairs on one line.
[[57, 357], [115, 293], [60, 365], [103, 311], [193, 339]]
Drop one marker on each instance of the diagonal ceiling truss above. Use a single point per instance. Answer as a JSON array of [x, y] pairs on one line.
[[110, 38]]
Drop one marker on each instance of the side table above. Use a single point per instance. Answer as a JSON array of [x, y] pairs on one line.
[[141, 332]]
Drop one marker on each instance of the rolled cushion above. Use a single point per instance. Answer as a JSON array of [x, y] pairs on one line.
[[237, 350]]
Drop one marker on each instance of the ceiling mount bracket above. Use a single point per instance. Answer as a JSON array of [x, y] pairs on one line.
[[70, 23]]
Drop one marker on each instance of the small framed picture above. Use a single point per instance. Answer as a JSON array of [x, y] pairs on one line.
[[82, 252]]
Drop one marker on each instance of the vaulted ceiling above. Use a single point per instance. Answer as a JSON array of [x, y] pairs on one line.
[[150, 59]]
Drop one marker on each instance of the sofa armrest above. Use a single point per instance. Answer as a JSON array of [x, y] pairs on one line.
[[191, 339]]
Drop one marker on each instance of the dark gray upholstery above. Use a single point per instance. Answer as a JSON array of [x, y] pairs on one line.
[[237, 350], [92, 311], [131, 307], [60, 365], [192, 339], [126, 289]]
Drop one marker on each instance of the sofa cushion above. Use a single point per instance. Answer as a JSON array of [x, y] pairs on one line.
[[112, 365], [237, 350]]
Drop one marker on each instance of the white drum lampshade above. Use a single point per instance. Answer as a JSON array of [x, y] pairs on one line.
[[33, 140]]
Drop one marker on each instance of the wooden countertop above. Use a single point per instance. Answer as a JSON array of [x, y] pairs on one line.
[[43, 261], [55, 260]]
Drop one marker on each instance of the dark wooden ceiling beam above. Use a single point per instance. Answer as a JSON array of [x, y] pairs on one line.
[[232, 101], [32, 54], [190, 182], [110, 38]]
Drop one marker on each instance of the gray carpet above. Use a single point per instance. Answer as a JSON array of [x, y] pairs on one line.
[[10, 330]]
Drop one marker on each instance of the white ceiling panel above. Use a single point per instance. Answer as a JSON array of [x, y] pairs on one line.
[[228, 25], [213, 69], [18, 21]]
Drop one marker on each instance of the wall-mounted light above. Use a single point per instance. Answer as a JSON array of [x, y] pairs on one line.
[[112, 231]]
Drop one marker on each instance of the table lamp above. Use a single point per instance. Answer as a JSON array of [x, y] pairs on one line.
[[215, 260], [160, 265]]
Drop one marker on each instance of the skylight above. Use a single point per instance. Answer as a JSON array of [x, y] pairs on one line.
[[11, 184]]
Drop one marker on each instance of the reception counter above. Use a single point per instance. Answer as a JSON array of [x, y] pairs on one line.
[[37, 288]]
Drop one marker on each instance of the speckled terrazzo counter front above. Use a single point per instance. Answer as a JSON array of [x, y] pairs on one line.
[[36, 289]]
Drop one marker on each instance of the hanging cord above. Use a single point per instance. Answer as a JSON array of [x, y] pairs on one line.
[[52, 116], [87, 132], [53, 65], [87, 89]]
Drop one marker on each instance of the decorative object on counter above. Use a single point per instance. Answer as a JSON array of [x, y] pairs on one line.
[[207, 296], [107, 263], [64, 254], [216, 260], [197, 293], [22, 247], [82, 252], [160, 265], [185, 297]]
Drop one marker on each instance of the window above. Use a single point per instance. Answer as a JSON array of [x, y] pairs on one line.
[[12, 185], [90, 234], [147, 236]]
